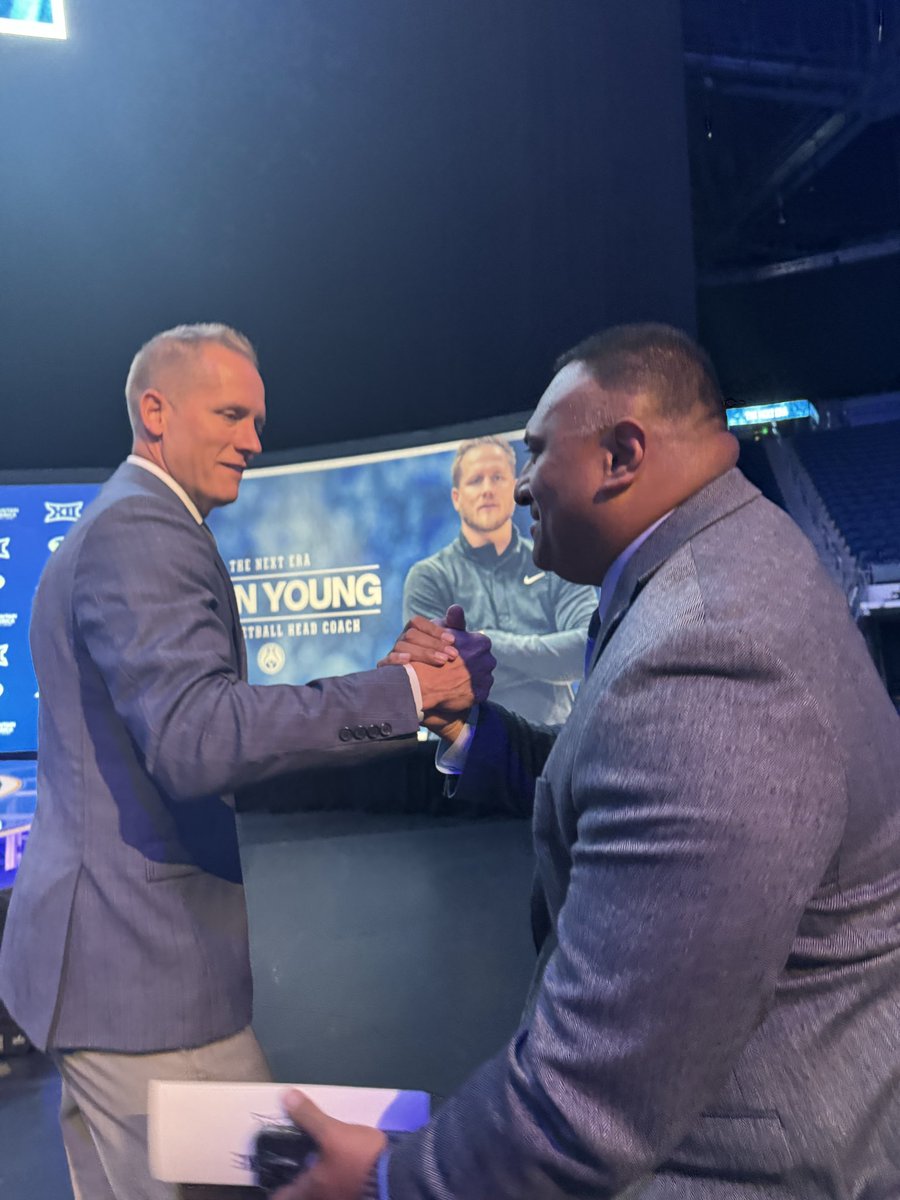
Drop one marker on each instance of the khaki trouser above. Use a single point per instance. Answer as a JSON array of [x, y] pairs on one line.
[[103, 1114]]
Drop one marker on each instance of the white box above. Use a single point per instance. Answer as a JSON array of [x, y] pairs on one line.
[[203, 1132]]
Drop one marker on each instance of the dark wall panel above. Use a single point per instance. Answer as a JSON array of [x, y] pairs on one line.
[[410, 207]]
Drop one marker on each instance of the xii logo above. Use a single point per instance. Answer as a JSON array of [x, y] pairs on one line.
[[62, 512]]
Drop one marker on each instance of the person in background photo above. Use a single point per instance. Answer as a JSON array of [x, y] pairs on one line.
[[536, 621], [125, 953]]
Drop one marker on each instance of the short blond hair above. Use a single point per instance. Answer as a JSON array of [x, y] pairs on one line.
[[489, 439], [172, 348]]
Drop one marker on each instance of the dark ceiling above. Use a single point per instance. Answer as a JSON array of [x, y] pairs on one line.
[[793, 130], [190, 108], [794, 140]]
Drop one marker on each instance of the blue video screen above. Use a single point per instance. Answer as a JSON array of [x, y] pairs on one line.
[[34, 519], [18, 796], [768, 414]]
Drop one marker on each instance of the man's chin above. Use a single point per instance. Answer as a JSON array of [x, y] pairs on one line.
[[539, 556], [488, 526], [225, 496]]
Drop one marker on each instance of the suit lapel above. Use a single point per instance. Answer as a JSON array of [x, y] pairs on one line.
[[143, 480], [237, 635], [718, 499]]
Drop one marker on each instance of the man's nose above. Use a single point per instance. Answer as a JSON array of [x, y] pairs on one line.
[[249, 442]]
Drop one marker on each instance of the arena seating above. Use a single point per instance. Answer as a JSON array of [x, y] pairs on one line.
[[857, 473]]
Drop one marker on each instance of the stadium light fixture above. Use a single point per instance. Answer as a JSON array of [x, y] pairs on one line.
[[33, 18]]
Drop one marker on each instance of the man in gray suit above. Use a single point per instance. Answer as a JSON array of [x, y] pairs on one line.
[[716, 1007], [125, 952]]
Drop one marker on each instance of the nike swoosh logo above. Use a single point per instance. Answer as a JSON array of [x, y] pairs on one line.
[[533, 578]]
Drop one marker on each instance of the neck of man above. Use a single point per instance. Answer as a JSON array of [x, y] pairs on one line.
[[144, 448], [498, 538], [660, 493]]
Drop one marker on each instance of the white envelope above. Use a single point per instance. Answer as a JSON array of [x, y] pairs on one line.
[[202, 1132]]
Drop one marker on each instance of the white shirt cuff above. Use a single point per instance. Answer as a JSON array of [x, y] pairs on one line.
[[451, 756], [416, 690]]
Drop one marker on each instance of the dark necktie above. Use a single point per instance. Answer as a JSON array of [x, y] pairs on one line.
[[592, 634]]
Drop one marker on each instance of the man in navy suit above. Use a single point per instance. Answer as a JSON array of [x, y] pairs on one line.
[[125, 953], [715, 1013]]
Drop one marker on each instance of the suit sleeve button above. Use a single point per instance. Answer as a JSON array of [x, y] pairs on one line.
[[374, 731], [386, 729], [345, 734], [359, 732]]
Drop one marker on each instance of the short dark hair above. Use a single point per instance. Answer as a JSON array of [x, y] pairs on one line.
[[656, 359], [489, 439]]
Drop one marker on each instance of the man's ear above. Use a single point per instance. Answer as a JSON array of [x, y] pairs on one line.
[[454, 496], [624, 446], [150, 407]]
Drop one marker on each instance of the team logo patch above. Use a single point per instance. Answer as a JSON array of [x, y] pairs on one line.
[[54, 544], [270, 658], [529, 579], [62, 512]]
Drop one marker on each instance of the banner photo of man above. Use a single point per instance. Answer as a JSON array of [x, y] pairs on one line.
[[536, 621], [320, 552]]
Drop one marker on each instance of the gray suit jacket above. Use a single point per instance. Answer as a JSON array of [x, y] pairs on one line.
[[717, 829], [127, 929]]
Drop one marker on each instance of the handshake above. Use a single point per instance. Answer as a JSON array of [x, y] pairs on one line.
[[454, 668]]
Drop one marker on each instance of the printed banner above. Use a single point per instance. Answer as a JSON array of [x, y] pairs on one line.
[[34, 519], [319, 552]]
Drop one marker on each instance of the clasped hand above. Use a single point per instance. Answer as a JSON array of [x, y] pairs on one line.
[[454, 668]]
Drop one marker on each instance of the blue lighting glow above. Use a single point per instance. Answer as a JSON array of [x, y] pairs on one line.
[[33, 18]]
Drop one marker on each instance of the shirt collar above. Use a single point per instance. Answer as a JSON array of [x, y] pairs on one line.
[[614, 573], [137, 461], [487, 553]]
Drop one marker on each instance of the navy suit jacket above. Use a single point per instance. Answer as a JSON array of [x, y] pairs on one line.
[[716, 1009], [127, 929]]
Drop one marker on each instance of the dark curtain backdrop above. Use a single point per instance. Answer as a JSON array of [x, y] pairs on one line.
[[412, 207]]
